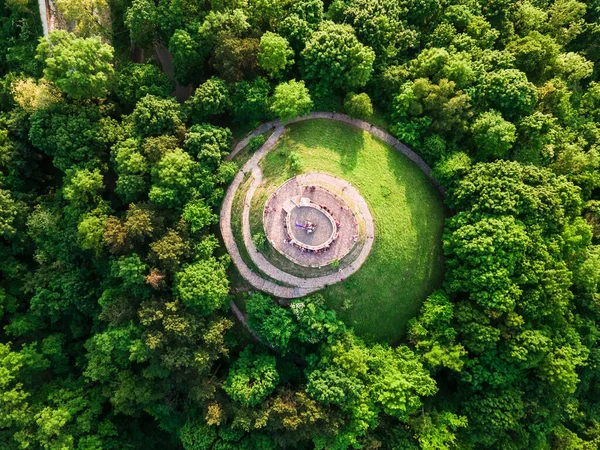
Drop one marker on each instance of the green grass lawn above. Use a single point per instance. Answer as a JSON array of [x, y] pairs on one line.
[[406, 262]]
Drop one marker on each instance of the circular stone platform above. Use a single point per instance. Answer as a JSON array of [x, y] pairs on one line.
[[309, 224]]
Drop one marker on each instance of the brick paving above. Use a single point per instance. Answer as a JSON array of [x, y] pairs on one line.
[[274, 221]]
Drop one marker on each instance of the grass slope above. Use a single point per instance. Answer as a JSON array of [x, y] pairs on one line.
[[406, 263]]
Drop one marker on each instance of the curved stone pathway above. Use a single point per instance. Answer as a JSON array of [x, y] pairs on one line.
[[300, 286], [307, 285]]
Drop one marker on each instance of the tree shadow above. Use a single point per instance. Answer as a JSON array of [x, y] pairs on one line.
[[426, 259], [429, 227], [354, 141]]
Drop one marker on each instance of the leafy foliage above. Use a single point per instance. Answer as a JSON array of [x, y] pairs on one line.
[[211, 98], [135, 81], [291, 100], [251, 378], [334, 59], [274, 53], [82, 68], [113, 288]]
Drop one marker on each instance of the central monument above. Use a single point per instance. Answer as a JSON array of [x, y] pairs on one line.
[[311, 225]]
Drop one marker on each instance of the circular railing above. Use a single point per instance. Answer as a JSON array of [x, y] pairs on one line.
[[292, 234]]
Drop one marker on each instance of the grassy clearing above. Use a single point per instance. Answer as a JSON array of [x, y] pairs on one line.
[[406, 263]]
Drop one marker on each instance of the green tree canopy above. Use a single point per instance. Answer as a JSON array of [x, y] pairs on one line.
[[203, 285], [510, 92], [358, 105], [274, 54], [334, 59], [291, 100], [210, 98], [252, 377], [493, 135], [155, 116], [81, 67], [142, 21], [135, 81]]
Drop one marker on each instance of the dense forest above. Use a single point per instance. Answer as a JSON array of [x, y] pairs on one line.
[[115, 289]]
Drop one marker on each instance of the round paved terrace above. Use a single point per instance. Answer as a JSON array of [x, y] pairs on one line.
[[309, 226], [287, 210], [285, 284]]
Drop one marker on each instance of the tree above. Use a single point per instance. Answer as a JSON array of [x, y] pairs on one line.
[[296, 31], [382, 24], [197, 435], [235, 58], [132, 170], [309, 10], [398, 380], [252, 378], [250, 101], [274, 54], [358, 105], [91, 17], [172, 178], [422, 106], [68, 133], [14, 409], [536, 55], [316, 323], [451, 168], [273, 323], [82, 186], [566, 20], [334, 59], [544, 199], [188, 56], [198, 215], [8, 213], [485, 269], [509, 91], [434, 336], [33, 96], [493, 135], [135, 81], [291, 100], [574, 67], [92, 230], [81, 68], [142, 21], [209, 144], [210, 98], [203, 285], [155, 116]]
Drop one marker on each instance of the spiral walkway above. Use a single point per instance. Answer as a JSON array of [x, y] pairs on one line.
[[292, 286]]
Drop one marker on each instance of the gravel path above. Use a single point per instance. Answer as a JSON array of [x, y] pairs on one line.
[[301, 286]]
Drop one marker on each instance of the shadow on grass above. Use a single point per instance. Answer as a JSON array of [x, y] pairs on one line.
[[327, 137]]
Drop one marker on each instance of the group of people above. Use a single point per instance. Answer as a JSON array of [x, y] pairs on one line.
[[289, 240]]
